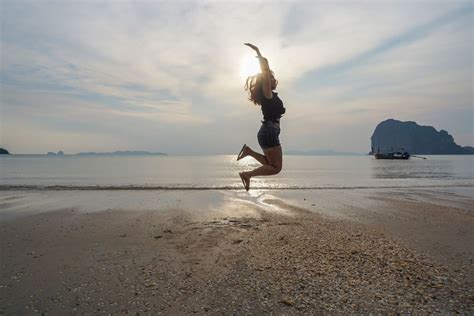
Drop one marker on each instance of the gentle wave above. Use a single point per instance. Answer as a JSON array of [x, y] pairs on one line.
[[203, 188]]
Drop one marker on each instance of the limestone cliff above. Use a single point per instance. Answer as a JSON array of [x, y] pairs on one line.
[[393, 135]]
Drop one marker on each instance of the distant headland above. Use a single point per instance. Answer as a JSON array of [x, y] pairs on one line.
[[392, 135], [115, 153], [59, 153], [122, 153], [4, 152]]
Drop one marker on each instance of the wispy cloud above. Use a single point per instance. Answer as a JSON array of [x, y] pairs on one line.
[[163, 70], [409, 36]]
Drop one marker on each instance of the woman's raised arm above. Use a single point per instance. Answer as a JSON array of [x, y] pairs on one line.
[[265, 69]]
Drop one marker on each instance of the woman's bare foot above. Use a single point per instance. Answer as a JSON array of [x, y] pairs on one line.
[[245, 180], [247, 151], [244, 152]]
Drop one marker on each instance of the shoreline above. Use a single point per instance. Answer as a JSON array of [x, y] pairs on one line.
[[57, 187], [216, 252]]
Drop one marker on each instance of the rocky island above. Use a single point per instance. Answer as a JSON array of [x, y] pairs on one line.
[[60, 153], [115, 153], [393, 135], [121, 153]]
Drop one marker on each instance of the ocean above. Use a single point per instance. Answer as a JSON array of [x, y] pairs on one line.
[[221, 172]]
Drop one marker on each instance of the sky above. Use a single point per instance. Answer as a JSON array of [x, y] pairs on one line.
[[168, 76]]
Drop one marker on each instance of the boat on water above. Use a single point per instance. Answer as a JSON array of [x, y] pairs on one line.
[[393, 155]]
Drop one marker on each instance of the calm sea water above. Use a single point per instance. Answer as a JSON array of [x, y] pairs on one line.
[[221, 172]]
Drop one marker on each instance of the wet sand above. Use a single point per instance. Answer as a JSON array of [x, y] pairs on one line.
[[223, 252]]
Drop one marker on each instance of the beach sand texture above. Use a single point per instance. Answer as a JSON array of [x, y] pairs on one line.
[[213, 252]]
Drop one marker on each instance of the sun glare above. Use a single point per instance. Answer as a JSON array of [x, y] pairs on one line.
[[249, 66]]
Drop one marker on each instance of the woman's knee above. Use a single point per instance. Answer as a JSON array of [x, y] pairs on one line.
[[277, 168]]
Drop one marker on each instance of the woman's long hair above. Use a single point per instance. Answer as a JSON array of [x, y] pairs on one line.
[[254, 87]]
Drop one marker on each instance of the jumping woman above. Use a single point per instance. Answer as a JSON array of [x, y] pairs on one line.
[[260, 89]]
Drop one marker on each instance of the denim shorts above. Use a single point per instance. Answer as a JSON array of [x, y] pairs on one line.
[[268, 135]]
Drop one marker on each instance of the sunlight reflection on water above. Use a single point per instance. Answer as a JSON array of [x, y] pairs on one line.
[[221, 172]]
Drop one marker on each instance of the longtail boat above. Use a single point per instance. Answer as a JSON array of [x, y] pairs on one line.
[[393, 155]]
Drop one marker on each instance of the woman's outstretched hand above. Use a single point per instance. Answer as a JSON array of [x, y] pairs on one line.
[[255, 48]]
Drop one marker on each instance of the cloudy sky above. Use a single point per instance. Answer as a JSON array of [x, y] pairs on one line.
[[168, 76]]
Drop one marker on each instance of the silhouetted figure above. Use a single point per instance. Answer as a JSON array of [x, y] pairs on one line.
[[260, 89]]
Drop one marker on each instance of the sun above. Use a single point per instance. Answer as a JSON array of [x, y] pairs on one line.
[[248, 66]]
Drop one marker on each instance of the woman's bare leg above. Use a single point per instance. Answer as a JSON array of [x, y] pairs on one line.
[[275, 162], [257, 156]]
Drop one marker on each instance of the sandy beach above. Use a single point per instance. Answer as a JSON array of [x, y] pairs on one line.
[[229, 252]]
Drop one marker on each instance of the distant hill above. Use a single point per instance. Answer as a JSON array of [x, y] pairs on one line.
[[60, 153], [320, 152], [392, 135], [121, 153], [470, 149], [4, 152]]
